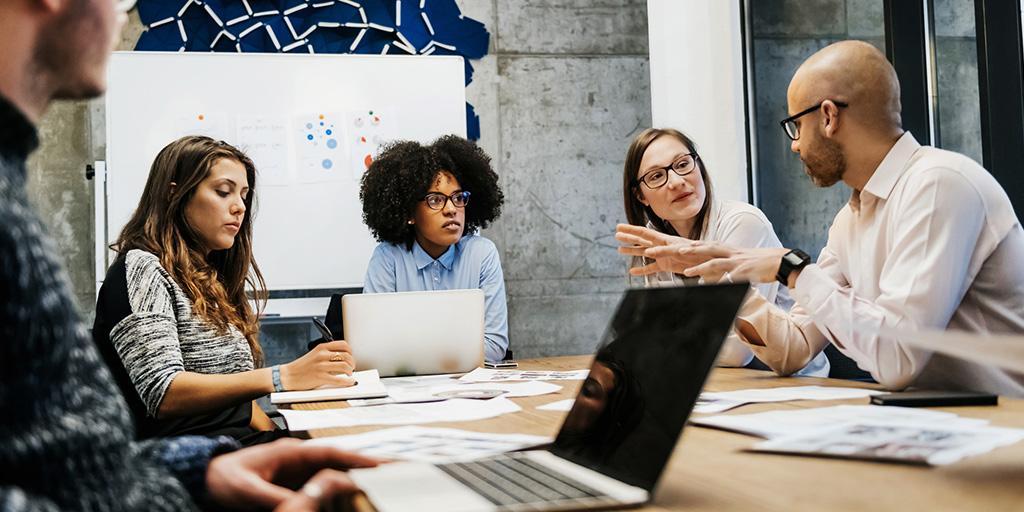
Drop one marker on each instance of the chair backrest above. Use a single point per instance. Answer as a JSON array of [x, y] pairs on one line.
[[143, 424], [333, 318], [842, 367]]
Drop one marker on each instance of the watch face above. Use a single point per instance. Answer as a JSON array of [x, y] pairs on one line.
[[791, 261], [796, 257]]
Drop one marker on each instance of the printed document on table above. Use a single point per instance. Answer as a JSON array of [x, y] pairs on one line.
[[419, 394], [432, 445], [489, 375], [935, 445], [710, 404], [725, 400], [420, 381], [459, 409], [368, 385], [773, 424]]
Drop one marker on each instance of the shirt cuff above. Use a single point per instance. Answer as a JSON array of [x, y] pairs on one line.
[[188, 457], [813, 288]]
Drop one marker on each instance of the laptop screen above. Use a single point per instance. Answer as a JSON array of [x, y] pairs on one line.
[[647, 374]]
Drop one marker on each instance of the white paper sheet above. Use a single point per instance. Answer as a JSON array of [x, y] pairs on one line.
[[710, 404], [319, 141], [433, 445], [934, 445], [489, 375], [367, 130], [722, 401], [367, 385], [400, 414], [434, 393], [773, 424], [265, 140], [212, 124], [419, 381], [561, 405]]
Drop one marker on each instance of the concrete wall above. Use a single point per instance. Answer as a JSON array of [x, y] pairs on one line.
[[563, 90], [61, 194]]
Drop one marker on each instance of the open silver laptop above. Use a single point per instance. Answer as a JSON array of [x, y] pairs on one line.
[[617, 438], [415, 333]]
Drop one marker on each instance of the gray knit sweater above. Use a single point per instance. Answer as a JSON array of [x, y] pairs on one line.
[[146, 328], [65, 432]]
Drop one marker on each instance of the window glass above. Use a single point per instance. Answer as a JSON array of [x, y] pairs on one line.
[[958, 116], [784, 33]]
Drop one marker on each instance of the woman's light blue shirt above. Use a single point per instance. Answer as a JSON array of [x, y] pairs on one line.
[[472, 262]]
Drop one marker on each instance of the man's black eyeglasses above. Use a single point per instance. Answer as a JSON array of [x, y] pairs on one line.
[[789, 124]]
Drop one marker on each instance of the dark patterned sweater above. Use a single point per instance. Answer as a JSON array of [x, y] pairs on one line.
[[65, 432]]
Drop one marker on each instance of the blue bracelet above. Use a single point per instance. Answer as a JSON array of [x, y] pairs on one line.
[[275, 375]]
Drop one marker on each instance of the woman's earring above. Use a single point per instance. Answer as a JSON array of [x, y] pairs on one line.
[[408, 221]]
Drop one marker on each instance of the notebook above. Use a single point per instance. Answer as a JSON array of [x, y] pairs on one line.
[[368, 385]]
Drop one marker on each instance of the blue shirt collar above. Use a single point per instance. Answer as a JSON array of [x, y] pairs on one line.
[[423, 259]]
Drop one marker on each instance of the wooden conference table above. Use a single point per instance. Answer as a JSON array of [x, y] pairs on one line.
[[710, 471]]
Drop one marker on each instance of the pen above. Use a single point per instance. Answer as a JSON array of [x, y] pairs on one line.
[[323, 329]]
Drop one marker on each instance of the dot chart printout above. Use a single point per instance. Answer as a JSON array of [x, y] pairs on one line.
[[319, 147]]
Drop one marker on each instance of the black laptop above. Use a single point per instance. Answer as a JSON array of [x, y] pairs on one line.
[[616, 440]]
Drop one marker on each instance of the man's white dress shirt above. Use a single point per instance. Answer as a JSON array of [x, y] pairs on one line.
[[931, 242]]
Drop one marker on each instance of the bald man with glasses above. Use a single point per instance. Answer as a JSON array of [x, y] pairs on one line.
[[927, 240]]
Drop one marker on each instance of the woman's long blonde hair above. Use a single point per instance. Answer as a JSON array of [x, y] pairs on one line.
[[216, 283]]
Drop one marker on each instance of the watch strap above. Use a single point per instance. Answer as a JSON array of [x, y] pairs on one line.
[[792, 260]]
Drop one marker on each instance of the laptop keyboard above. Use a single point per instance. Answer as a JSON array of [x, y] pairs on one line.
[[515, 482]]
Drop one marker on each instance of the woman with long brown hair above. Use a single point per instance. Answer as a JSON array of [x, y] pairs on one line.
[[667, 188], [173, 317]]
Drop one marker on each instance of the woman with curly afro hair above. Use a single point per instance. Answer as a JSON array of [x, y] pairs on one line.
[[425, 205]]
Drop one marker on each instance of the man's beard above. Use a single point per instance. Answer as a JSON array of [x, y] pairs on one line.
[[827, 166]]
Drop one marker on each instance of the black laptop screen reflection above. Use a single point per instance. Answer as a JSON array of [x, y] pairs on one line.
[[643, 383]]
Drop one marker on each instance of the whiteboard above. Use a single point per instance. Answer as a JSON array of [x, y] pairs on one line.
[[308, 121]]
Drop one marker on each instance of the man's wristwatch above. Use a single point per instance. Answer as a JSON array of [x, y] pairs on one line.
[[792, 260]]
